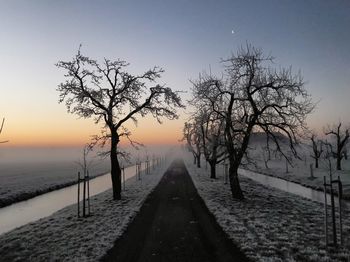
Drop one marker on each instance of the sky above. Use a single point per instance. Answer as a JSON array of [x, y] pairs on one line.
[[183, 37]]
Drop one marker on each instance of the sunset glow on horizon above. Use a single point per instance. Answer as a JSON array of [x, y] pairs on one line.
[[78, 132]]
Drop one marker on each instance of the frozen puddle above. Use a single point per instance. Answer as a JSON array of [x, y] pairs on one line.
[[24, 212], [289, 187]]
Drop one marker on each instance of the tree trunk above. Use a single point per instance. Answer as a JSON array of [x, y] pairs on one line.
[[338, 163], [194, 159], [199, 160], [115, 168], [212, 169], [234, 182], [316, 162]]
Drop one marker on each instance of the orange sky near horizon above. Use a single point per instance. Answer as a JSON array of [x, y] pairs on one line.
[[69, 131]]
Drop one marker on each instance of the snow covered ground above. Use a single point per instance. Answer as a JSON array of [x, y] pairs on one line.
[[300, 171], [269, 225], [25, 173], [64, 237], [28, 172]]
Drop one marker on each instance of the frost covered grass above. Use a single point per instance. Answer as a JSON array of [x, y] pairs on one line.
[[269, 225], [64, 237], [29, 172], [300, 171], [21, 181]]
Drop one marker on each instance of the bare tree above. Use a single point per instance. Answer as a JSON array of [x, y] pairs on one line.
[[341, 138], [212, 139], [192, 135], [107, 92], [317, 149], [84, 163], [1, 127], [253, 97]]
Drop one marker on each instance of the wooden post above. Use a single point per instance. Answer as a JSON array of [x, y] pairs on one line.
[[140, 171], [137, 171], [78, 194], [333, 214], [325, 211], [88, 191], [340, 196], [84, 194], [123, 172]]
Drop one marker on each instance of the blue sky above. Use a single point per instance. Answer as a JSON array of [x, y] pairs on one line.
[[183, 37]]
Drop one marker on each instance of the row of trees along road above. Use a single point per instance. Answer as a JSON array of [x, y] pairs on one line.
[[111, 95], [335, 147], [250, 96]]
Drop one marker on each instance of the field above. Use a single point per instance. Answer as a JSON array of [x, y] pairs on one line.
[[64, 237], [269, 225], [26, 173], [300, 170]]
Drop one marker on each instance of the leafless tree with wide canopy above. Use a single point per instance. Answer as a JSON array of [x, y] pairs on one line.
[[251, 96], [113, 96]]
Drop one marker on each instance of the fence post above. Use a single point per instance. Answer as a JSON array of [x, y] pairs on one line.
[[78, 194], [88, 190], [137, 172], [333, 214], [123, 172], [325, 211], [84, 192], [340, 196]]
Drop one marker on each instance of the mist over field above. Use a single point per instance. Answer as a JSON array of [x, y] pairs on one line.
[[26, 172]]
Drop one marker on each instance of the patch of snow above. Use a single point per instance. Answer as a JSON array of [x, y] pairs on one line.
[[64, 237], [269, 225], [300, 171]]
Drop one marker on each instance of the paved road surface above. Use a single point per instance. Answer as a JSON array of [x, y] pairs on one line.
[[174, 225]]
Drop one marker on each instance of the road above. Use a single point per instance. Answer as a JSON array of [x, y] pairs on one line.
[[174, 225]]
